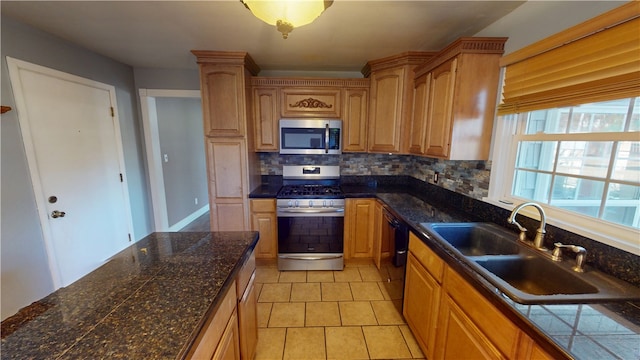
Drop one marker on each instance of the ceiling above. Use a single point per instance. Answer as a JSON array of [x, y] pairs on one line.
[[160, 34]]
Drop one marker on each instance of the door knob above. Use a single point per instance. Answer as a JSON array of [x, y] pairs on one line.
[[56, 214]]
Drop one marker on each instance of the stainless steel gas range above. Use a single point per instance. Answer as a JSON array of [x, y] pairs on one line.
[[310, 210]]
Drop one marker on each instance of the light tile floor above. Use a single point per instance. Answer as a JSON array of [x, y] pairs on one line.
[[346, 314]]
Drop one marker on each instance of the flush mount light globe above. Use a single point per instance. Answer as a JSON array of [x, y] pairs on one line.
[[286, 15]]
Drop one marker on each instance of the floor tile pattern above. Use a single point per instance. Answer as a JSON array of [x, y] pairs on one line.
[[346, 314]]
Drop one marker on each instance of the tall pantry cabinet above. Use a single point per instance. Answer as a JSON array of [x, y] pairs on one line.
[[233, 166]]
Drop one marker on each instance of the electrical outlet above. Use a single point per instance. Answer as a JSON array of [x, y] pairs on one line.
[[166, 157], [436, 175], [196, 200]]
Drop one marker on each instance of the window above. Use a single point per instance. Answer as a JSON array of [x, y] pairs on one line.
[[568, 134], [581, 163], [582, 159]]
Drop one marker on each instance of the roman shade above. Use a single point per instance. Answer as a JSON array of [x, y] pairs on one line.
[[597, 60]]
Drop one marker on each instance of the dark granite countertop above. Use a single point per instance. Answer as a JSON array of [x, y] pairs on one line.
[[147, 302], [580, 331], [265, 191]]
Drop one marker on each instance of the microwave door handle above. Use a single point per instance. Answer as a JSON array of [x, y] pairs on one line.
[[326, 139]]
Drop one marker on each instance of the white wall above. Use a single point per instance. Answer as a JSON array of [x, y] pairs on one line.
[[24, 270], [536, 20], [184, 170]]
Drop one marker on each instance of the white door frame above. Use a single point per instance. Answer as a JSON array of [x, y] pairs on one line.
[[15, 66], [154, 156]]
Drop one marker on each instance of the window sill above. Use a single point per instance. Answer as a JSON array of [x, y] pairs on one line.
[[618, 236]]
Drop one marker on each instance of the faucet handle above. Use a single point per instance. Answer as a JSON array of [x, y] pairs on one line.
[[557, 251], [581, 253]]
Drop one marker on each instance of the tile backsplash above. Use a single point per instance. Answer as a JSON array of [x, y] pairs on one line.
[[470, 178]]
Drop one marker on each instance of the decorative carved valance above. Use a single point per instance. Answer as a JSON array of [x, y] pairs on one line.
[[311, 103]]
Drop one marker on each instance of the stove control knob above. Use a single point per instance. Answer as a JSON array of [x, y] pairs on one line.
[[324, 203], [330, 203], [290, 203], [296, 203], [310, 203]]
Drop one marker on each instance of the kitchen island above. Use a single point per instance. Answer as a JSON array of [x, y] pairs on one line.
[[149, 301]]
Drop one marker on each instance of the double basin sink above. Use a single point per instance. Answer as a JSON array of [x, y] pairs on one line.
[[524, 274]]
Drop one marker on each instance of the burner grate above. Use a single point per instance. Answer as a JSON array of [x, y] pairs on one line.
[[319, 191]]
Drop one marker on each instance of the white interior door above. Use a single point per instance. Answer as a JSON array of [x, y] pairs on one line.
[[73, 145]]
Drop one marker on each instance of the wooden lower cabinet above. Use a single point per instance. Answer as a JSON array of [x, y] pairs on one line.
[[359, 228], [422, 290], [265, 221], [248, 320], [228, 348], [221, 328], [228, 187], [485, 324], [459, 338], [452, 320], [232, 331], [379, 234], [529, 350], [421, 304]]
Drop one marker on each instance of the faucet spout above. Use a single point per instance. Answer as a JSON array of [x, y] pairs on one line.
[[538, 242]]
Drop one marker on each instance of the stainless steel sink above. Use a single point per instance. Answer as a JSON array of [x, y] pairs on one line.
[[477, 239], [525, 275], [534, 275]]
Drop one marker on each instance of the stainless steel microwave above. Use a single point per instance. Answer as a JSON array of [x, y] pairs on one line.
[[310, 136]]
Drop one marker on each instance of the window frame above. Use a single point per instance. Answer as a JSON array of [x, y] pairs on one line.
[[504, 150]]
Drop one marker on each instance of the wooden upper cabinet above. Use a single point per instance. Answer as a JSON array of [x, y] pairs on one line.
[[354, 120], [266, 115], [306, 102], [224, 80], [439, 107], [391, 101], [462, 89], [223, 90], [418, 116], [387, 95]]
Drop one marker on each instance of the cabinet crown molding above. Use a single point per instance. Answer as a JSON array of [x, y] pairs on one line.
[[405, 58], [309, 82], [227, 58], [464, 45]]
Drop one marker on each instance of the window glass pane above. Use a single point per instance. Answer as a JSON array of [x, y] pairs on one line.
[[537, 155], [587, 158], [552, 121], [627, 163], [606, 116], [634, 122], [579, 195], [532, 185], [600, 178], [623, 203]]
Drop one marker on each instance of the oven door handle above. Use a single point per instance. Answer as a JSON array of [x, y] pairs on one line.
[[298, 257], [311, 211]]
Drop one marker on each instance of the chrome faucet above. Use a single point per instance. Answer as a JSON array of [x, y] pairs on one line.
[[538, 242]]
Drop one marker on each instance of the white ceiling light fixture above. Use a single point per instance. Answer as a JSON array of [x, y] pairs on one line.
[[287, 14]]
